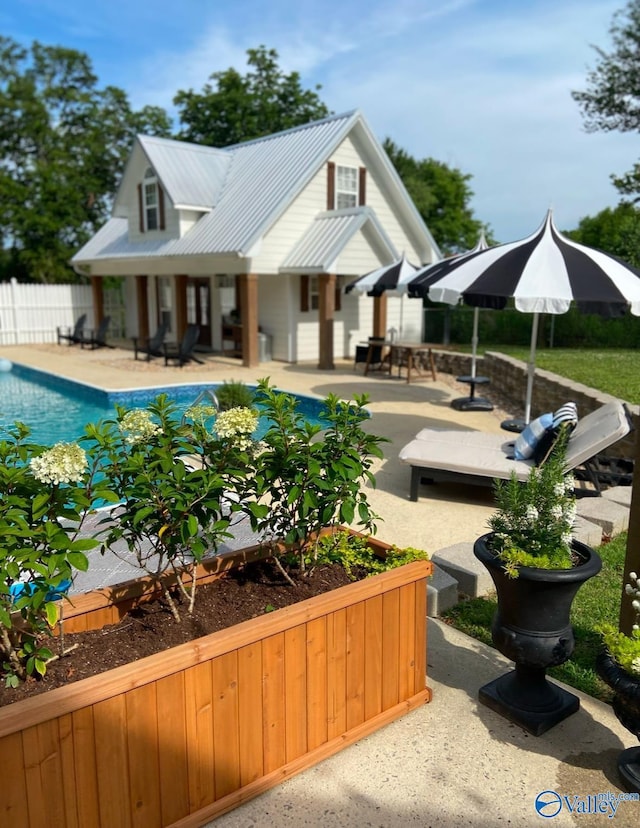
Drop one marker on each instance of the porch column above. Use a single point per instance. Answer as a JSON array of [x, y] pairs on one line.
[[142, 301], [98, 299], [181, 305], [248, 306], [380, 315], [326, 314]]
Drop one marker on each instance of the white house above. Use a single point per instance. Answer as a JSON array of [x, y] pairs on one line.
[[262, 237]]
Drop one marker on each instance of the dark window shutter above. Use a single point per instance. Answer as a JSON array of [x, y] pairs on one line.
[[338, 299], [140, 208], [362, 187], [161, 206], [304, 293], [331, 186]]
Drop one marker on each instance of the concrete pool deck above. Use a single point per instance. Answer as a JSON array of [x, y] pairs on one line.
[[452, 762]]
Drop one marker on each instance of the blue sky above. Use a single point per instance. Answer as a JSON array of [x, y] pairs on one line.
[[482, 85]]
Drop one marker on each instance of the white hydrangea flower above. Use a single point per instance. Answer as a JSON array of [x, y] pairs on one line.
[[138, 426], [63, 463], [557, 512], [532, 513], [237, 424]]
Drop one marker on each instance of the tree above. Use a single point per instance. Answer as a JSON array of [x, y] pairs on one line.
[[441, 195], [614, 230], [240, 107], [612, 99], [63, 143]]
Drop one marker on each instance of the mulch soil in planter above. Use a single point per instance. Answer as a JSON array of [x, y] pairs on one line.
[[241, 594]]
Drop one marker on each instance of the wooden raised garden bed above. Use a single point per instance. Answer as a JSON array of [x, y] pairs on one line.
[[182, 736]]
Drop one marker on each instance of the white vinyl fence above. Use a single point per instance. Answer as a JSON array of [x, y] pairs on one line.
[[30, 314]]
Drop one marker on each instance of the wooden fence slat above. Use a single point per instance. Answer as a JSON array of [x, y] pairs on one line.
[[173, 774], [390, 648], [317, 681], [355, 664], [86, 772], [373, 657], [273, 702], [67, 763], [226, 744], [336, 673], [200, 737], [295, 656], [144, 763], [32, 759], [250, 706]]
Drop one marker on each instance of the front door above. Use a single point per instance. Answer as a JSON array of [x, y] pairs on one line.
[[199, 308]]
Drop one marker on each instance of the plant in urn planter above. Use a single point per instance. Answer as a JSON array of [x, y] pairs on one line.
[[619, 665], [537, 569]]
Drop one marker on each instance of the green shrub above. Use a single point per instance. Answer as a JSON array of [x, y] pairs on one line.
[[358, 558], [234, 394]]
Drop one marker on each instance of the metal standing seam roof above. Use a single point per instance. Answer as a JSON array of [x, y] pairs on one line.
[[327, 236], [249, 185], [191, 174]]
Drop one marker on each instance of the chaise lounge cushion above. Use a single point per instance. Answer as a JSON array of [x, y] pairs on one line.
[[479, 457]]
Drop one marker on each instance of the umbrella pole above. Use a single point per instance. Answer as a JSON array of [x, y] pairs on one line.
[[531, 368], [474, 341]]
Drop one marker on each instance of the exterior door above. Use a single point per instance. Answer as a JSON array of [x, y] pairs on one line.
[[199, 308]]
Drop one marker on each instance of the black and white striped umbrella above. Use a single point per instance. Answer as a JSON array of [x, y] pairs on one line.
[[391, 278], [543, 273]]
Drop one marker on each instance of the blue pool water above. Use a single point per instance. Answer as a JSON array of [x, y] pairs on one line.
[[57, 409]]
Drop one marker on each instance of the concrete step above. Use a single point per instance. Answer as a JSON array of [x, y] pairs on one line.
[[442, 591], [611, 516], [462, 565]]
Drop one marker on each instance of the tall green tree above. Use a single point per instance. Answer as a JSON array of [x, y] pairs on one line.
[[63, 143], [441, 195], [614, 230], [612, 98], [239, 107]]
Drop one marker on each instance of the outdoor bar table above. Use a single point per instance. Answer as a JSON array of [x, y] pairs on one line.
[[407, 349]]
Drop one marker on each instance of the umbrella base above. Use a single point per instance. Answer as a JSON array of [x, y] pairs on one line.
[[513, 425], [471, 404]]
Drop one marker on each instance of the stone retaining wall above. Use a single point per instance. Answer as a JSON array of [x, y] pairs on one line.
[[550, 390]]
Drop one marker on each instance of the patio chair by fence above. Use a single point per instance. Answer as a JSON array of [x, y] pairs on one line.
[[72, 335], [97, 338], [153, 345], [184, 352]]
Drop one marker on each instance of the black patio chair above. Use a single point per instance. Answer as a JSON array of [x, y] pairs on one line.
[[184, 352], [97, 338], [377, 361], [153, 345], [72, 335]]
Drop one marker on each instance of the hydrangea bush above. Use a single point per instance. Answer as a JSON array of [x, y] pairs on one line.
[[46, 494], [534, 521]]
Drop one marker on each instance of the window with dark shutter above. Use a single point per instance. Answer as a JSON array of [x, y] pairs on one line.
[[161, 206], [304, 293], [362, 186], [140, 208], [331, 186]]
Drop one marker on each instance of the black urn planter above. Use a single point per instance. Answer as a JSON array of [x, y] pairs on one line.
[[626, 706], [531, 627]]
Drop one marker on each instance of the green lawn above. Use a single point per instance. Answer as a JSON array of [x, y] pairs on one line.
[[616, 372]]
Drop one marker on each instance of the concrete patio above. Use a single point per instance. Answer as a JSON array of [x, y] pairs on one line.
[[453, 761]]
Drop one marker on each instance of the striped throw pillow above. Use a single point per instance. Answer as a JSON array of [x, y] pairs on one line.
[[527, 441], [567, 413]]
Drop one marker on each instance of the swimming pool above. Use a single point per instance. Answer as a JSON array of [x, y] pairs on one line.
[[57, 409]]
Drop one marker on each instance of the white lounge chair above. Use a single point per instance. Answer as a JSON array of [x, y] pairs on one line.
[[478, 457]]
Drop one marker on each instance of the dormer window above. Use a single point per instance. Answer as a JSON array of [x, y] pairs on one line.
[[150, 192], [151, 202]]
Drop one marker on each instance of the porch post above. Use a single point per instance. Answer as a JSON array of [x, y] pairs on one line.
[[380, 315], [98, 299], [248, 306], [326, 314], [142, 301], [181, 305]]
